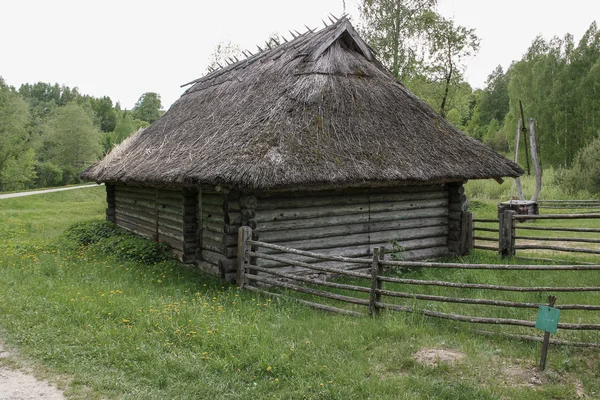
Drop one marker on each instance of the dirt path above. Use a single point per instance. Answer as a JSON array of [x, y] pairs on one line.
[[20, 194], [19, 385]]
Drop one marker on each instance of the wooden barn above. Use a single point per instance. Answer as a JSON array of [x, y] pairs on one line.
[[313, 144]]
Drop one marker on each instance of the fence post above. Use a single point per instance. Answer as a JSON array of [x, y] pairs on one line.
[[466, 233], [375, 266], [506, 241], [244, 234]]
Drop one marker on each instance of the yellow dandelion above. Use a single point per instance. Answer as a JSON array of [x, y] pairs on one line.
[[268, 368]]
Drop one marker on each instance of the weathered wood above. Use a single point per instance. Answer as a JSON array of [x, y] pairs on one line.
[[150, 226], [218, 219], [286, 193], [233, 218], [375, 271], [215, 227], [457, 198], [136, 190], [365, 209], [212, 257], [243, 259], [538, 339], [558, 229], [302, 289], [556, 248], [139, 215], [558, 239], [462, 207], [140, 203], [170, 224], [481, 286], [456, 188], [367, 239], [174, 243], [365, 217], [320, 201], [231, 205], [210, 209], [248, 202], [307, 303], [506, 242], [211, 245], [213, 199], [340, 230], [136, 229], [561, 216], [466, 233], [172, 233]]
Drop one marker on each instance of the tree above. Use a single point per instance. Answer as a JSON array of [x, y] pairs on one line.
[[105, 112], [148, 107], [16, 156], [73, 142], [449, 45], [396, 29]]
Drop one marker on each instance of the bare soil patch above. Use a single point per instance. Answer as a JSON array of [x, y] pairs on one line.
[[435, 357]]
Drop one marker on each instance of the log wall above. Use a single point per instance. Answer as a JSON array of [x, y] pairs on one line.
[[166, 216], [353, 222]]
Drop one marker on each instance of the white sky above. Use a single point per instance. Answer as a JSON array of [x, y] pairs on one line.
[[123, 48]]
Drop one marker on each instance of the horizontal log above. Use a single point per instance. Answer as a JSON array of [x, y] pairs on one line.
[[130, 190], [135, 196], [213, 257], [556, 248], [367, 238], [148, 225], [178, 219], [427, 253], [233, 218], [457, 198], [208, 268], [212, 209], [421, 220], [487, 302], [350, 219], [551, 260], [136, 229], [218, 219], [173, 212], [353, 209], [486, 239], [278, 273], [479, 247], [454, 215], [486, 229], [302, 289], [216, 227], [173, 243], [457, 189], [321, 201], [208, 244], [557, 229], [214, 236], [483, 220], [559, 216], [170, 194], [136, 213], [213, 199], [139, 203], [172, 233], [286, 193], [168, 223], [312, 304], [558, 239], [136, 209]]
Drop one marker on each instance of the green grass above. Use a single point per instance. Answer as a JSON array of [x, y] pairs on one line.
[[122, 329]]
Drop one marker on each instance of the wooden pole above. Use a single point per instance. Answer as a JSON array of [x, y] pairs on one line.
[[535, 161], [507, 233], [374, 281], [524, 130], [244, 234], [551, 302]]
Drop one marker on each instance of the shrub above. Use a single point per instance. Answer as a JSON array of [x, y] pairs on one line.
[[106, 237], [48, 175], [585, 173]]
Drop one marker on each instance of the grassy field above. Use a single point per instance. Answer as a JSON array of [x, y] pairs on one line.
[[107, 328]]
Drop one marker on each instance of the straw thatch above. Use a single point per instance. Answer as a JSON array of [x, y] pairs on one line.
[[317, 111]]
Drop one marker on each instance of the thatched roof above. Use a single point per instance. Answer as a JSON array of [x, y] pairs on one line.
[[317, 111]]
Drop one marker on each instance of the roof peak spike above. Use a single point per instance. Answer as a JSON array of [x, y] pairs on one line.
[[310, 30], [332, 19], [259, 49], [292, 33], [324, 23]]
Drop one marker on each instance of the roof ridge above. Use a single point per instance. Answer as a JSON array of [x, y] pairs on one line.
[[335, 21]]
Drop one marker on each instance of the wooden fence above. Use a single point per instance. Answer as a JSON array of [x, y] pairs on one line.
[[511, 236], [583, 206], [369, 291]]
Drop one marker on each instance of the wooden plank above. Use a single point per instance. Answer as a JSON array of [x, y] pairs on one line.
[[139, 203], [420, 221], [140, 215], [213, 210], [351, 191], [211, 245], [172, 233], [213, 199], [383, 217], [353, 209], [216, 227]]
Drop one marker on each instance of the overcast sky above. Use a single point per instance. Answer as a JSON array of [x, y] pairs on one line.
[[123, 48]]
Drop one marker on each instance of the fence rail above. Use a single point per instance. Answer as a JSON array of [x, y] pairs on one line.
[[369, 290]]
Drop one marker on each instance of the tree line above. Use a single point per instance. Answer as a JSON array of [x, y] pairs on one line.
[[557, 80], [49, 133]]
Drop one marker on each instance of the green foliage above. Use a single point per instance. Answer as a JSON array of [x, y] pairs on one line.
[[109, 239], [16, 167], [48, 174], [585, 174], [148, 107], [395, 30], [73, 142]]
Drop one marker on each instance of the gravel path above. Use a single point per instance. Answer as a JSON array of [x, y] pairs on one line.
[[18, 385], [20, 194]]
